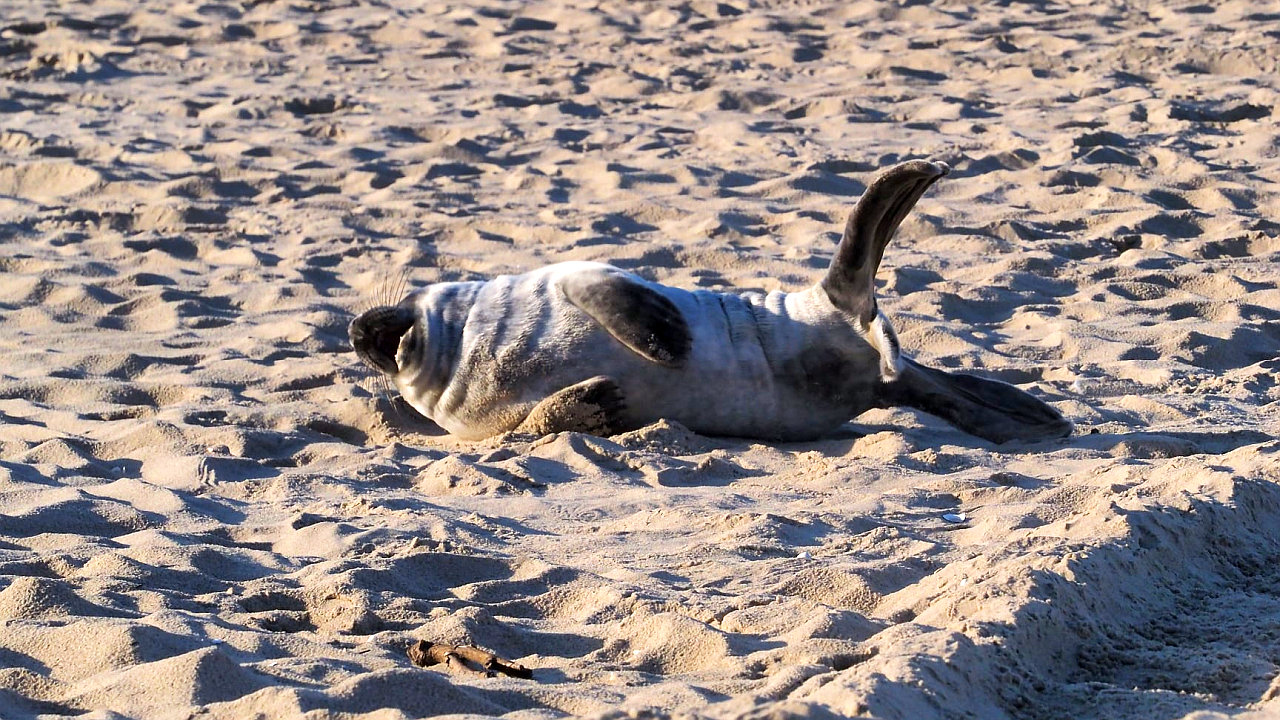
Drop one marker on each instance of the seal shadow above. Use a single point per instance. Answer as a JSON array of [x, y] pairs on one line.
[[400, 416], [1136, 444], [1144, 445]]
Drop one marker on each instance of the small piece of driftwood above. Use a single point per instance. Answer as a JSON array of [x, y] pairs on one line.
[[466, 659]]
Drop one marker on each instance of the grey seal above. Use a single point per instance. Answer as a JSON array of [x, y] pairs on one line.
[[581, 346]]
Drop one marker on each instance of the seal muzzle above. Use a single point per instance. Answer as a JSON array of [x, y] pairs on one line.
[[375, 336]]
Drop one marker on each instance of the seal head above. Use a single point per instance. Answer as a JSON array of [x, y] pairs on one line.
[[375, 335]]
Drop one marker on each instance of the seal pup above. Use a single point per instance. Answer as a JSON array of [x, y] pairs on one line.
[[587, 347]]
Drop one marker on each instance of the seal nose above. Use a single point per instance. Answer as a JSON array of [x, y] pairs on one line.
[[375, 336]]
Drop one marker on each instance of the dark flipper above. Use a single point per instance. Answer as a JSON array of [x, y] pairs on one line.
[[850, 281], [592, 406], [637, 315], [990, 409]]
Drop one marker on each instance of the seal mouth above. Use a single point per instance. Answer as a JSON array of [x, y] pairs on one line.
[[375, 336]]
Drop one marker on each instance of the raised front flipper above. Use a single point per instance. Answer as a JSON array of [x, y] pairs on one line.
[[592, 406], [634, 313]]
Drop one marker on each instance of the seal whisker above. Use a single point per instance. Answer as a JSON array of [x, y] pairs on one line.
[[380, 297], [367, 380], [390, 289], [402, 287], [388, 394]]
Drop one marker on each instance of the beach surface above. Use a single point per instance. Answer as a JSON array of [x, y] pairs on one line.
[[209, 509]]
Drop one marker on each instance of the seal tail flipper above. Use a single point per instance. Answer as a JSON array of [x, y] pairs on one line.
[[850, 281], [989, 409], [592, 406]]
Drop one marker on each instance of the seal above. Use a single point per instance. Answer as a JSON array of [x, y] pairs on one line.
[[586, 347]]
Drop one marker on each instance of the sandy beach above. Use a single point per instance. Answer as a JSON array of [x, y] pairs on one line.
[[209, 509]]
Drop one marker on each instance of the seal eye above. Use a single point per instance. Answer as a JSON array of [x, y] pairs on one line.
[[375, 336]]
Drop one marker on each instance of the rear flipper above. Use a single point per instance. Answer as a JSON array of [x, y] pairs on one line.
[[850, 281], [592, 406], [990, 409]]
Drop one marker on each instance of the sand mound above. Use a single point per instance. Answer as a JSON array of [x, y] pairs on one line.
[[196, 678], [37, 598], [46, 180]]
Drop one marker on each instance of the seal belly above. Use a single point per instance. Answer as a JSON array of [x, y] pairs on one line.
[[823, 367], [756, 370], [729, 385]]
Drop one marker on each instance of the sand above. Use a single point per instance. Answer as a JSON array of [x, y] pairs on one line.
[[207, 508]]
